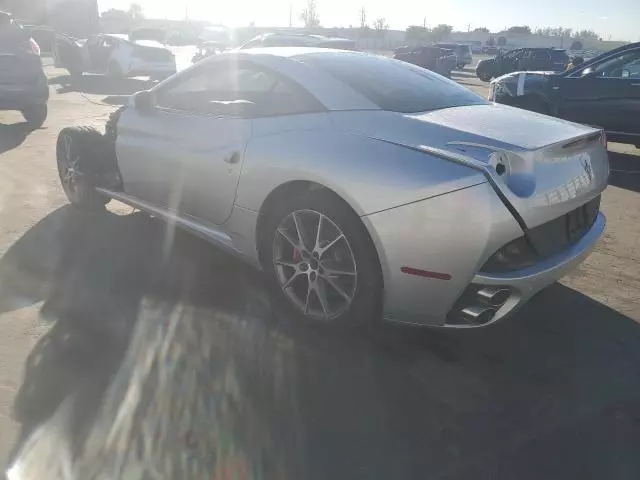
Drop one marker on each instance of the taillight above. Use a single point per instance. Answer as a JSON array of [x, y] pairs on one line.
[[35, 48]]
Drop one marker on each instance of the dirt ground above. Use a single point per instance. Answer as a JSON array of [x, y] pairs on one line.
[[552, 393]]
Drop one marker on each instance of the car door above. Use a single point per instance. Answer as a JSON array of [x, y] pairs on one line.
[[508, 62], [605, 94], [186, 154], [539, 60]]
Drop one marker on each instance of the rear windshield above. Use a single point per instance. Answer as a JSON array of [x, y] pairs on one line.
[[393, 85]]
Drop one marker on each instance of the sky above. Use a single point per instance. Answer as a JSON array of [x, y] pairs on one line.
[[618, 21]]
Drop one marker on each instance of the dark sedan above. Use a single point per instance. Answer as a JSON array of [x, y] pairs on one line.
[[436, 59], [602, 92]]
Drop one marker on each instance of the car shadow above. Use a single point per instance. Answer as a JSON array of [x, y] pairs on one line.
[[139, 311], [99, 84], [116, 99], [463, 73], [13, 135], [625, 171]]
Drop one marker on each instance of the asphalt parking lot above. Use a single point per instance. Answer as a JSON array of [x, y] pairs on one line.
[[552, 393]]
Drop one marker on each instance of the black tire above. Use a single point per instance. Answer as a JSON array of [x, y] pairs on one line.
[[87, 145], [35, 115], [484, 76], [365, 307]]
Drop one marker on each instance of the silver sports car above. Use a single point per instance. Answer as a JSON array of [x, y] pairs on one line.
[[360, 185]]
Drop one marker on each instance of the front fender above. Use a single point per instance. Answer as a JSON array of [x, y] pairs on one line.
[[369, 174]]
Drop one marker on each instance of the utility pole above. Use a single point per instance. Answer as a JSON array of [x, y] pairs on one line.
[[290, 15], [424, 22], [186, 11], [468, 27]]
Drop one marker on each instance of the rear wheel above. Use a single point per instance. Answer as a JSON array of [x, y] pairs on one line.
[[321, 261], [35, 115], [76, 147]]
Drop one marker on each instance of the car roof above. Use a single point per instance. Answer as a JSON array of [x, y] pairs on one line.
[[287, 52], [288, 61]]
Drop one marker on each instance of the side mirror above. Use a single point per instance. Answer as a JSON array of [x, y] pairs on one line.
[[143, 101]]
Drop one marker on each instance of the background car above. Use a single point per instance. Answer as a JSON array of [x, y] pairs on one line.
[[299, 40], [206, 49], [114, 55], [436, 59], [521, 59], [603, 91], [361, 185], [463, 53], [23, 85]]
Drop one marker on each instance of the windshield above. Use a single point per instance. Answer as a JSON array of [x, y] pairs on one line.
[[392, 85]]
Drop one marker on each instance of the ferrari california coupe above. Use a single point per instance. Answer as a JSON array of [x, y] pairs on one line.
[[363, 187]]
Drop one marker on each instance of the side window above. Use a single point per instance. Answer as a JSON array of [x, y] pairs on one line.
[[232, 89], [622, 66]]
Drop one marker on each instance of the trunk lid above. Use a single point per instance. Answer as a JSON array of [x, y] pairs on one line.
[[548, 167]]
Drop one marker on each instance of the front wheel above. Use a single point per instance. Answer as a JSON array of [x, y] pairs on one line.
[[77, 146], [484, 76], [35, 115], [321, 261]]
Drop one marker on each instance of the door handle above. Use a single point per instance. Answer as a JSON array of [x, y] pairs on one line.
[[232, 159], [635, 84]]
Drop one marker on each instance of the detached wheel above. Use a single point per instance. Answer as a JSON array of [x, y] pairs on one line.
[[321, 261], [76, 148], [35, 115], [484, 76]]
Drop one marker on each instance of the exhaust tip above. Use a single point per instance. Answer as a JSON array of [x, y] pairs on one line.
[[494, 297], [478, 315]]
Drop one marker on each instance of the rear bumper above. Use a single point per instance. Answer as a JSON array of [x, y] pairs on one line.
[[17, 97], [527, 282]]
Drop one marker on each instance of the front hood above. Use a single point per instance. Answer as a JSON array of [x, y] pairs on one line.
[[551, 166], [486, 63]]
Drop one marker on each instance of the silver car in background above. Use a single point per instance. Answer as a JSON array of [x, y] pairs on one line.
[[360, 184]]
